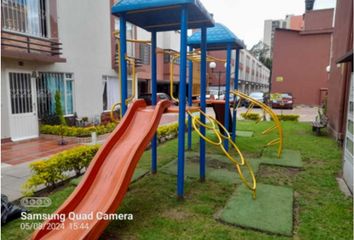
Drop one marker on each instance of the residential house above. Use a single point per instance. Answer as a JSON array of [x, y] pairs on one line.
[[301, 57], [253, 75], [70, 47]]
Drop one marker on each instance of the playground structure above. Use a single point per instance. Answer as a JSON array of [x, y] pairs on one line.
[[132, 62], [107, 178]]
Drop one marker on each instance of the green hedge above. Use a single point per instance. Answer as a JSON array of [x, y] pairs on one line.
[[288, 117], [251, 116], [167, 131], [52, 171], [163, 131], [77, 131]]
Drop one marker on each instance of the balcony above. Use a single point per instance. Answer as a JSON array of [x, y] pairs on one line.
[[24, 47], [24, 31]]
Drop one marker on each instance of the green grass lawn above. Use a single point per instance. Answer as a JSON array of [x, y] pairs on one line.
[[321, 210]]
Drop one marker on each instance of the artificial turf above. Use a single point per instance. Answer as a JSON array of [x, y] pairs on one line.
[[271, 211], [288, 158], [321, 211], [218, 168]]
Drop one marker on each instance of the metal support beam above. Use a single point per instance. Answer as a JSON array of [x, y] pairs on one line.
[[227, 93], [234, 117], [122, 54], [203, 63], [190, 92], [182, 102], [153, 99]]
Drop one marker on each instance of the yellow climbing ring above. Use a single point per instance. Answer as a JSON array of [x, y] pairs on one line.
[[234, 146], [268, 110], [220, 125], [244, 180], [196, 128], [215, 124]]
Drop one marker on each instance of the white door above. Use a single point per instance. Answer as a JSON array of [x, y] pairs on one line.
[[349, 139], [23, 111]]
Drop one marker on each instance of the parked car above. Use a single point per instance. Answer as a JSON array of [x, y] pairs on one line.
[[232, 100], [259, 96], [160, 96], [282, 100], [216, 94]]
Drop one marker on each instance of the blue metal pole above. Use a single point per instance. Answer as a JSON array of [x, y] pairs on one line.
[[153, 99], [202, 101], [122, 54], [227, 93], [190, 91], [182, 102], [234, 117]]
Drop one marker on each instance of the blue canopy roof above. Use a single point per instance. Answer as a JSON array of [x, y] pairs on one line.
[[162, 15], [218, 38]]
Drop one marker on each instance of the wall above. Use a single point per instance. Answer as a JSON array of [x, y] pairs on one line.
[[338, 77], [296, 22], [87, 47], [319, 19], [301, 60]]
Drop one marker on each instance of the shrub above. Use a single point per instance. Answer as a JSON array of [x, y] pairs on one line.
[[167, 131], [251, 116], [58, 108], [288, 117], [51, 171], [77, 131], [48, 172]]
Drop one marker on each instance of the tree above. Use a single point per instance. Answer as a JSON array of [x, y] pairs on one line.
[[60, 114], [261, 51]]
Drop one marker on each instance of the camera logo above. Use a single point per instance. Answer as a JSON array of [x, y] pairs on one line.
[[36, 201]]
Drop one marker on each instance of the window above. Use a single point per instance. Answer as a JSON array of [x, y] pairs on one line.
[[111, 91], [25, 16], [166, 58], [144, 53], [46, 85]]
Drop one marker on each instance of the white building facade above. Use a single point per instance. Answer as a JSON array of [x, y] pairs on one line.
[[33, 70], [66, 46], [253, 75]]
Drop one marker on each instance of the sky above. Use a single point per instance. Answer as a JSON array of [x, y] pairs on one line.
[[246, 17]]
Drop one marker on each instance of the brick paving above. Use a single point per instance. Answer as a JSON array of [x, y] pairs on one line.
[[19, 152]]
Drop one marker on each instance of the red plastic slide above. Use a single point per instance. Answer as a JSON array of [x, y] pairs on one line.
[[106, 180]]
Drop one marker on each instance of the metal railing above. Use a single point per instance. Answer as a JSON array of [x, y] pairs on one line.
[[29, 44]]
